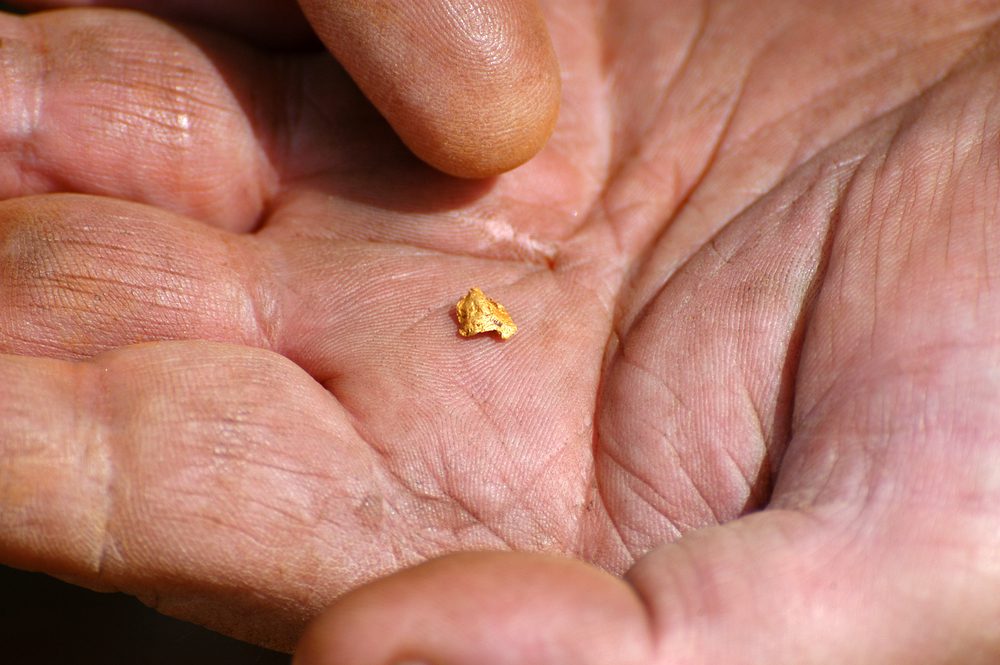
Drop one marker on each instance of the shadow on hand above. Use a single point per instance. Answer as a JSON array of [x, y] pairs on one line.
[[324, 135]]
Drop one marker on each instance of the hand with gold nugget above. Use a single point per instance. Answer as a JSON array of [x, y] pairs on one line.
[[751, 411]]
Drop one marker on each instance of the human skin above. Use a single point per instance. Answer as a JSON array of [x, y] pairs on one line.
[[750, 415], [471, 87]]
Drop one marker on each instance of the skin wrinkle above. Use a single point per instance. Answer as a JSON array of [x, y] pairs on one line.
[[798, 155], [889, 363], [876, 225], [497, 435], [844, 170], [818, 284], [39, 39], [680, 205], [681, 209], [868, 71], [626, 553], [599, 450], [684, 62], [684, 194], [390, 469], [97, 445], [476, 518], [765, 470], [534, 261], [261, 293], [30, 94], [958, 168], [17, 106], [604, 452], [596, 492], [74, 286], [773, 450], [241, 421], [473, 21], [663, 499]]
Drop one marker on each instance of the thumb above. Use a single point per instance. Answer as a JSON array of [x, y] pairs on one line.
[[484, 608], [471, 86], [777, 587]]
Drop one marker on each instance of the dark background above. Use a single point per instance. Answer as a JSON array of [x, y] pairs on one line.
[[46, 622]]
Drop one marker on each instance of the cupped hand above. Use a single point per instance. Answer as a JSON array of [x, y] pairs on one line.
[[755, 267]]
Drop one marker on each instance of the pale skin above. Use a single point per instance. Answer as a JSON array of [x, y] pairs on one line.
[[750, 415]]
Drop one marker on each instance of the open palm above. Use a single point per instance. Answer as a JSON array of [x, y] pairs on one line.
[[752, 268]]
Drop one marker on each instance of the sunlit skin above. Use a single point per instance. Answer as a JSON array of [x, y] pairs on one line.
[[751, 414]]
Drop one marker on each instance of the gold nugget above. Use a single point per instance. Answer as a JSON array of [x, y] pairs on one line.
[[478, 313]]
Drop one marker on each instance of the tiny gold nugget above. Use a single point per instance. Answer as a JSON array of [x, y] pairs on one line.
[[477, 313]]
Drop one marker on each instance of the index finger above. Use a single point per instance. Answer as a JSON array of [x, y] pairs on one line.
[[471, 86]]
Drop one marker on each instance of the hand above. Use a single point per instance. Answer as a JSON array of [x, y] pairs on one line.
[[751, 269], [471, 87]]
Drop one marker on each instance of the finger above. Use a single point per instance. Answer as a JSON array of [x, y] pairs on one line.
[[775, 588], [217, 483], [826, 586], [486, 609], [121, 105], [113, 103], [83, 274], [471, 88], [270, 22]]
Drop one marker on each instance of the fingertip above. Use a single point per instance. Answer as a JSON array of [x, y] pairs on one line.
[[493, 118], [472, 89], [498, 137], [485, 608]]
